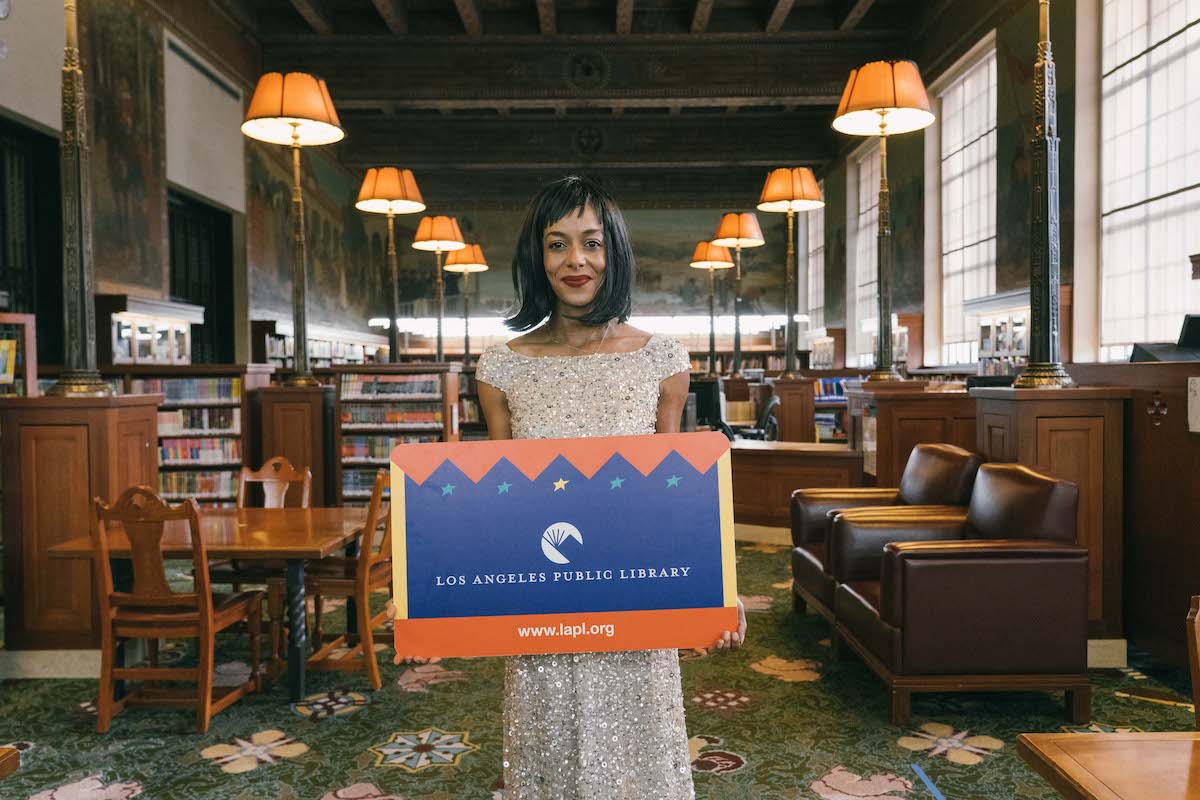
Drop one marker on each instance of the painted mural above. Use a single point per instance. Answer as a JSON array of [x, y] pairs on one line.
[[123, 59]]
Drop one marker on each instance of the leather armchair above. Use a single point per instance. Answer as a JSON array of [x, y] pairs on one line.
[[993, 600], [935, 475]]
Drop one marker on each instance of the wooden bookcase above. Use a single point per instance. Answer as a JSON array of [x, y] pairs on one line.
[[472, 426], [205, 435], [380, 406]]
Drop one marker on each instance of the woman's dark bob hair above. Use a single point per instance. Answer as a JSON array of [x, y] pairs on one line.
[[535, 299]]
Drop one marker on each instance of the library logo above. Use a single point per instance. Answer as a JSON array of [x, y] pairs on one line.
[[553, 538]]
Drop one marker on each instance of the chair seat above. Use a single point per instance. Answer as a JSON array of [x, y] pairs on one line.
[[227, 610], [808, 568]]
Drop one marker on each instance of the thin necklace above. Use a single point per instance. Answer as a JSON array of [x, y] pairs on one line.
[[556, 340]]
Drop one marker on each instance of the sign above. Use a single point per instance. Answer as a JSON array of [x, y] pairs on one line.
[[562, 545]]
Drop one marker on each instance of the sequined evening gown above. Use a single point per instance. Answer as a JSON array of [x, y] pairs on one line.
[[592, 726]]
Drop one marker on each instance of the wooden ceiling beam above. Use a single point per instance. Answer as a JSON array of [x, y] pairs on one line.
[[547, 18], [857, 11], [624, 17], [779, 15], [701, 15], [472, 20], [394, 15], [316, 15]]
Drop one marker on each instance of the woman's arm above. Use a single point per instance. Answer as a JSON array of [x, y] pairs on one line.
[[495, 411], [672, 395]]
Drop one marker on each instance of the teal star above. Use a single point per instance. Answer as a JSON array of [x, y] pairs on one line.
[[503, 488], [672, 481], [448, 489], [615, 483]]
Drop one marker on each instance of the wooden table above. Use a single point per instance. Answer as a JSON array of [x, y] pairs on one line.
[[1116, 766], [10, 761], [289, 534]]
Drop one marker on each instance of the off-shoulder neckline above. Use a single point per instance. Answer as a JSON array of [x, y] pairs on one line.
[[641, 349]]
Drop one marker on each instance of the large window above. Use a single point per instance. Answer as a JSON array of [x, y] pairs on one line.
[[1150, 170], [968, 203], [816, 265], [866, 258]]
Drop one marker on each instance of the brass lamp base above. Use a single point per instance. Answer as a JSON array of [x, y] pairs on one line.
[[887, 373], [301, 379], [1046, 375], [80, 383]]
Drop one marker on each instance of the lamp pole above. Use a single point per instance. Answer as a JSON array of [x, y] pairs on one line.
[[466, 296], [885, 369], [441, 305], [79, 378], [789, 302], [1044, 370], [735, 369], [393, 328], [301, 371], [712, 320]]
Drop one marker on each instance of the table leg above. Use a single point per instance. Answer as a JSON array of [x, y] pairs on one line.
[[122, 575], [351, 603], [297, 628]]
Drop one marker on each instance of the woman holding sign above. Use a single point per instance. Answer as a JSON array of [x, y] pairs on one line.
[[591, 725]]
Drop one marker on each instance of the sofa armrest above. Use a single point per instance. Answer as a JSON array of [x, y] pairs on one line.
[[988, 605], [810, 509], [858, 537]]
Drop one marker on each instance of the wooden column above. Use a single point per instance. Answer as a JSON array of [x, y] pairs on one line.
[[58, 454], [1076, 434], [296, 422], [796, 412]]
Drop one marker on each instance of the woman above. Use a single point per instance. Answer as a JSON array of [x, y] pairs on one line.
[[593, 725]]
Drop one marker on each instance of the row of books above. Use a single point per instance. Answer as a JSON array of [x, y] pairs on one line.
[[198, 484], [466, 384], [191, 420], [469, 411], [380, 446], [190, 390], [355, 385], [200, 451], [830, 388], [358, 481], [385, 415]]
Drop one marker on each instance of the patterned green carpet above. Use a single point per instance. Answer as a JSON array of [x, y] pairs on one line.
[[775, 720]]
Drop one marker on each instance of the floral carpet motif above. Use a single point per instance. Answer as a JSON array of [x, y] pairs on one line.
[[813, 729]]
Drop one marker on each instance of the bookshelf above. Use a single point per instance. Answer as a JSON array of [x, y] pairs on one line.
[[273, 343], [378, 407], [204, 435], [472, 426]]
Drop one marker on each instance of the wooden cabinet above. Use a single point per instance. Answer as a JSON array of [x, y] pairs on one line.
[[297, 422], [887, 423], [59, 453], [1076, 434], [766, 473], [796, 412]]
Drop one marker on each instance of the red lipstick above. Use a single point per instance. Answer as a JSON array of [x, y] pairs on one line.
[[575, 281]]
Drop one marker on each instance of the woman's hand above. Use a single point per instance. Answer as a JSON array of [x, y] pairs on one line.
[[391, 612], [732, 640]]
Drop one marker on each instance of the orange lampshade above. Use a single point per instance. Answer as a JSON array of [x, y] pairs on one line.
[[389, 190], [883, 91], [293, 103], [792, 189], [438, 233], [711, 256], [468, 259], [739, 230]]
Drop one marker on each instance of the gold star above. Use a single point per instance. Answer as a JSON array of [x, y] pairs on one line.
[[560, 485]]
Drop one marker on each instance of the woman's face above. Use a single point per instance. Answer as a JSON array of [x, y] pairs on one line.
[[573, 254]]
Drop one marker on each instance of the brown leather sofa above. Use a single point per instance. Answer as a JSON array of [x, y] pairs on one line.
[[936, 475], [993, 602]]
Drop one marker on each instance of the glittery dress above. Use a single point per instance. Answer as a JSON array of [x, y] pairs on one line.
[[592, 726]]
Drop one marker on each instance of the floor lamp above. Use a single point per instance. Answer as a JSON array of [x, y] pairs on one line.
[[790, 190], [465, 261], [295, 110], [712, 258], [439, 235], [391, 191], [738, 231], [884, 98]]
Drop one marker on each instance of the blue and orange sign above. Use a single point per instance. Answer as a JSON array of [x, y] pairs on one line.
[[562, 545]]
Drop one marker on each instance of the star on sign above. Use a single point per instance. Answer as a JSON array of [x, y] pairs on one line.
[[448, 489], [672, 481], [560, 485], [503, 488], [615, 483]]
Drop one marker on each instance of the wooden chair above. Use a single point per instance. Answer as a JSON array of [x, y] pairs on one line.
[[275, 478], [1193, 640], [151, 610], [353, 578]]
